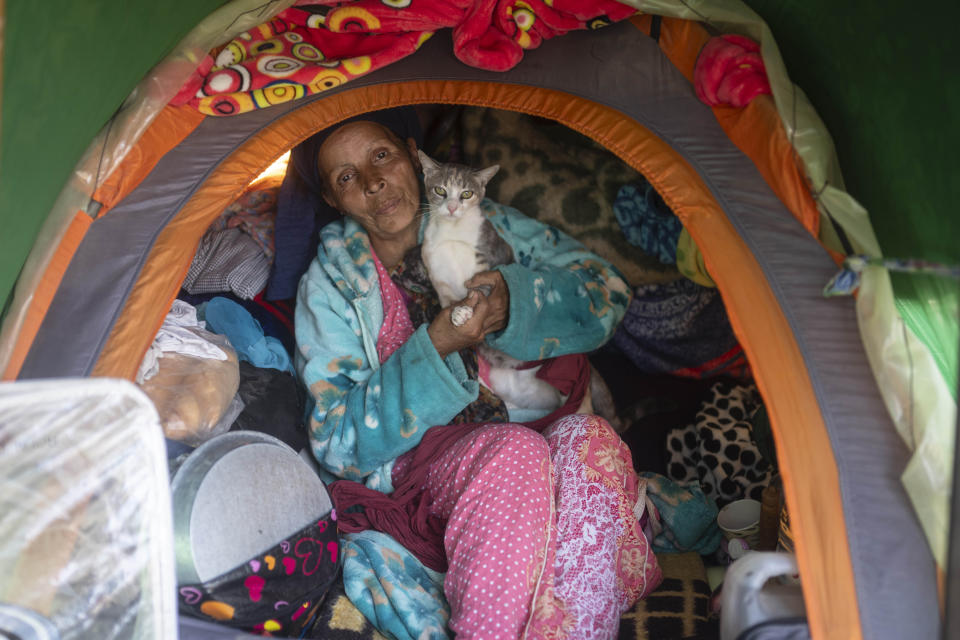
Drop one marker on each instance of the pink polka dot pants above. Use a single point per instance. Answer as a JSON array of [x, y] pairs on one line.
[[540, 536]]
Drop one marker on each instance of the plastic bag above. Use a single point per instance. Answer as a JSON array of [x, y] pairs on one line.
[[86, 531], [193, 394]]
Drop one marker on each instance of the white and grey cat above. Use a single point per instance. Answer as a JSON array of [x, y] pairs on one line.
[[459, 242]]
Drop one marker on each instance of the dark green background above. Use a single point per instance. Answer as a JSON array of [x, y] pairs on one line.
[[67, 66], [885, 78]]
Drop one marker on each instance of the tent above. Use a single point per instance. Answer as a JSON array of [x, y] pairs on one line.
[[848, 384]]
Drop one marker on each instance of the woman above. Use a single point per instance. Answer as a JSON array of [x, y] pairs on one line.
[[537, 530]]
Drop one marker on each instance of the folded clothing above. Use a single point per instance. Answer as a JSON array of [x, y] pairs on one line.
[[275, 317], [690, 262], [682, 329], [718, 449], [228, 260], [646, 220], [253, 213]]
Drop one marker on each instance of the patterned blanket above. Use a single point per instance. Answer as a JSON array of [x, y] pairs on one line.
[[677, 610], [319, 44]]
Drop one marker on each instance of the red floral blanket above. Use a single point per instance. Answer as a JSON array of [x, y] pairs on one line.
[[309, 48]]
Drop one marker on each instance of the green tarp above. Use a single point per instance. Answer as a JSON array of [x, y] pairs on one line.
[[883, 78], [67, 66]]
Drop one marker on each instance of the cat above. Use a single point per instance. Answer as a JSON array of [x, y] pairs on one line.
[[459, 242]]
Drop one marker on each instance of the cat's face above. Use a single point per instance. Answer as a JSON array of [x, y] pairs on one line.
[[451, 189]]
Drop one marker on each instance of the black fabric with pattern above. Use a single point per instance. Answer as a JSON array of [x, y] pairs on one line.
[[718, 448], [278, 592], [679, 609]]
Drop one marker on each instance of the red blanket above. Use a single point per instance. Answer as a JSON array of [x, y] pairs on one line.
[[321, 44]]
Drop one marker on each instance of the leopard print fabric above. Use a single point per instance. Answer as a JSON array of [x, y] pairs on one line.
[[560, 177]]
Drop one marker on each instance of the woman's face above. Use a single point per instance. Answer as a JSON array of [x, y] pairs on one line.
[[372, 177]]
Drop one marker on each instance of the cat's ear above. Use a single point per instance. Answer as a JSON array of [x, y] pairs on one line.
[[429, 164], [484, 175]]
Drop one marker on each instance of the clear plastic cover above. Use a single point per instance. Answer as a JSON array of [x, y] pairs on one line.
[[85, 515]]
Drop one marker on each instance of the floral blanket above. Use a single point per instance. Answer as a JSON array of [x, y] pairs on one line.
[[315, 46]]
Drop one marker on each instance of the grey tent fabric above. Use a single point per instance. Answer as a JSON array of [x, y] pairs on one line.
[[621, 68]]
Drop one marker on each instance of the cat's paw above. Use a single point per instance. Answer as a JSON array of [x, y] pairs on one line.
[[460, 315]]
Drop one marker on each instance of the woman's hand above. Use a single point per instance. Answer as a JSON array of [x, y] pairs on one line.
[[489, 314], [492, 284]]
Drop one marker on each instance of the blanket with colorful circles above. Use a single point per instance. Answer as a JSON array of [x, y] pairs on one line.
[[320, 44]]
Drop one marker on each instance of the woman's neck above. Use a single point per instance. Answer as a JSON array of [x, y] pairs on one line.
[[391, 251]]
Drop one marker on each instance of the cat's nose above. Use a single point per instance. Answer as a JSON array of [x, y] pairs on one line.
[[451, 206]]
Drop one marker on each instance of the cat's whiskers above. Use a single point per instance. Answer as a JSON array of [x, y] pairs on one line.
[[424, 211]]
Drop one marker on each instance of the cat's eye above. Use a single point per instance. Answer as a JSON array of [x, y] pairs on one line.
[[440, 191], [466, 195], [381, 155]]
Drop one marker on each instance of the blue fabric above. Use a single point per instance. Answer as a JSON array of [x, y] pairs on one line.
[[689, 517], [675, 325], [563, 298], [228, 318], [302, 211], [392, 589], [271, 325], [647, 222], [365, 414]]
